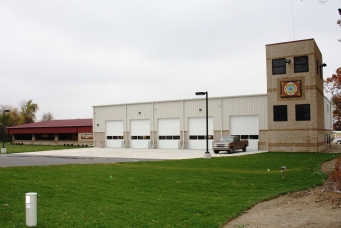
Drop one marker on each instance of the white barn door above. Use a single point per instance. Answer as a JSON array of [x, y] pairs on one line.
[[246, 127], [140, 134], [197, 132], [168, 133], [114, 133]]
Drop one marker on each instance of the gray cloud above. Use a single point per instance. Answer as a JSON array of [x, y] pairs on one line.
[[70, 55]]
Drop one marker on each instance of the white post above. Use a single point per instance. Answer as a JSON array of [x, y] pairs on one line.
[[31, 209]]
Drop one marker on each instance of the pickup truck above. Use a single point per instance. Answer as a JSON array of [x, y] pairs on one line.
[[229, 144]]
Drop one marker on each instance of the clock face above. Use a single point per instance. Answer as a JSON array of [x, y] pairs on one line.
[[290, 88]]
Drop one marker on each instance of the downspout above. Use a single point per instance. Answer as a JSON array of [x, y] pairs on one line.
[[93, 127], [221, 118], [152, 133], [126, 127], [182, 125]]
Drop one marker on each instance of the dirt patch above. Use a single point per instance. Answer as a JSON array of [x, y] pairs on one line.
[[317, 207]]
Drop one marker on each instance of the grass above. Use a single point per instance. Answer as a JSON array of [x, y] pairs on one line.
[[177, 193], [32, 148]]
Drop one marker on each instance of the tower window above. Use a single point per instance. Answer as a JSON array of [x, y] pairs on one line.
[[301, 64], [278, 66], [280, 113], [302, 112]]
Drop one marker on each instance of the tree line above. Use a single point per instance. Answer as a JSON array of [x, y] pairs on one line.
[[333, 86], [25, 113]]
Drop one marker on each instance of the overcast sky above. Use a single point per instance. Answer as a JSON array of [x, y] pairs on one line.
[[71, 55]]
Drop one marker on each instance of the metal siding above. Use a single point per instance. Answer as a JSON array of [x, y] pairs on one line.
[[328, 115], [171, 109], [103, 113], [220, 109], [248, 105], [168, 109], [133, 111]]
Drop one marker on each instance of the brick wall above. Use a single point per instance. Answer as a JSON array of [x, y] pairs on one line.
[[293, 135]]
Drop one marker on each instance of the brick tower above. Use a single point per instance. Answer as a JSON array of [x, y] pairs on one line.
[[295, 97]]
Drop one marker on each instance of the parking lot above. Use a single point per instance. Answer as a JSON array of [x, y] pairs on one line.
[[104, 155]]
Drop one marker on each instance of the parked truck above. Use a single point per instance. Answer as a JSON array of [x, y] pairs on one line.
[[230, 144]]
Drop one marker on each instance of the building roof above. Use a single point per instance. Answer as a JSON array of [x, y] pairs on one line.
[[57, 123], [53, 126]]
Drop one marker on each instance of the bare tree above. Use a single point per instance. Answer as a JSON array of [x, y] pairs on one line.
[[47, 116]]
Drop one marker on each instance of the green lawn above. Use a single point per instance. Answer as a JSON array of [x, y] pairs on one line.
[[178, 193], [32, 148]]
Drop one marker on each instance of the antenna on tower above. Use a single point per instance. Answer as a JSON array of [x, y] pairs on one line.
[[292, 14]]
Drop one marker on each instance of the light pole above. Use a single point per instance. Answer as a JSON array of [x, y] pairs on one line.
[[207, 153], [3, 149]]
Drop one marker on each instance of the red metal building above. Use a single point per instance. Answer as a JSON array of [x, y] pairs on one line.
[[77, 132]]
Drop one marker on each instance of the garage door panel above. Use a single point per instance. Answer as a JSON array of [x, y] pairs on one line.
[[244, 125], [168, 133], [247, 127], [140, 134], [197, 132], [114, 133]]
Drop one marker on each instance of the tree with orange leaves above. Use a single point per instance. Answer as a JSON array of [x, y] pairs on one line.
[[333, 86]]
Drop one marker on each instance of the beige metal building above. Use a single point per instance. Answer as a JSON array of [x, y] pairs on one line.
[[181, 124], [294, 115]]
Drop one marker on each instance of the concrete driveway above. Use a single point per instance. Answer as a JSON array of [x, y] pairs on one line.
[[104, 155]]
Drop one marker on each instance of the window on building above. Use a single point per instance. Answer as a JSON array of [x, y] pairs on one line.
[[44, 136], [278, 66], [73, 137], [247, 136], [169, 137], [139, 137], [23, 137], [244, 137], [302, 112], [280, 113], [254, 137], [114, 137], [301, 64], [200, 137]]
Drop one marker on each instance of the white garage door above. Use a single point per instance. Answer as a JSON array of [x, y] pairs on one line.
[[197, 133], [169, 133], [246, 127], [140, 134], [114, 133]]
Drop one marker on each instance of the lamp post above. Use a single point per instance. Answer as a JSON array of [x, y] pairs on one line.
[[3, 149], [207, 153]]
